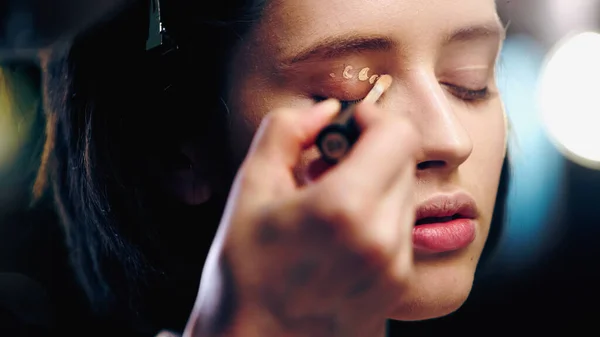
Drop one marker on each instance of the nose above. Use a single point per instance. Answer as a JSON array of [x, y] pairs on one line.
[[445, 142]]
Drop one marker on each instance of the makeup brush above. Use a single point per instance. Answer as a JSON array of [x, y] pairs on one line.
[[336, 139]]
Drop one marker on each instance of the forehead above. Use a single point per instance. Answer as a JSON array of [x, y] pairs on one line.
[[289, 25]]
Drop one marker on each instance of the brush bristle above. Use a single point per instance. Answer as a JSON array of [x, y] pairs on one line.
[[382, 84]]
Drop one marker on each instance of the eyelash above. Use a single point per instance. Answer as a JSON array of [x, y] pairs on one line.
[[344, 104], [467, 95]]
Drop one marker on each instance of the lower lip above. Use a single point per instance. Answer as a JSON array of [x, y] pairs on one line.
[[444, 236]]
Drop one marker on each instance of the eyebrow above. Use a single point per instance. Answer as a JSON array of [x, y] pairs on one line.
[[339, 46], [491, 30], [336, 47]]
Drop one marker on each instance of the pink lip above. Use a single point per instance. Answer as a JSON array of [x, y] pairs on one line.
[[445, 223]]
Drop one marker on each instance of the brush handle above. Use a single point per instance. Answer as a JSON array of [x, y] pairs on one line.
[[336, 139]]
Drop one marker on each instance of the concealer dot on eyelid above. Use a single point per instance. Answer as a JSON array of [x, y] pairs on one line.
[[347, 74], [363, 75], [373, 78], [332, 75]]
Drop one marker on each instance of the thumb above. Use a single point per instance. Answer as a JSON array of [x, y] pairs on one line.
[[284, 134]]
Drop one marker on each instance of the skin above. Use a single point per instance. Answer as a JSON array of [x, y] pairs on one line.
[[460, 143], [364, 74], [471, 137], [348, 73]]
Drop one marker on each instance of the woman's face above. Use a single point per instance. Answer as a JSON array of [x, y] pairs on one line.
[[441, 55]]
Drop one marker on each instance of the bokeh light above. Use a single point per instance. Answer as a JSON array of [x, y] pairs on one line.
[[569, 98], [19, 102], [9, 142], [537, 167]]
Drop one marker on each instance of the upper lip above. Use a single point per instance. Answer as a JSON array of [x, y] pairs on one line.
[[458, 205]]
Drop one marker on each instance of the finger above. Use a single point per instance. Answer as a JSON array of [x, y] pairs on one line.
[[381, 292], [386, 147], [394, 227], [283, 134], [391, 232], [379, 301], [397, 219]]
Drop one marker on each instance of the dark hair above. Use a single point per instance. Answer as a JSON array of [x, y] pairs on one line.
[[114, 116]]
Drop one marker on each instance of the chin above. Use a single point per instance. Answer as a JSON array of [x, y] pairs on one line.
[[435, 291], [420, 311]]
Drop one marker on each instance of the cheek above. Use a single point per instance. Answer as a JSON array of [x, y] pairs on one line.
[[482, 169], [248, 106], [241, 131]]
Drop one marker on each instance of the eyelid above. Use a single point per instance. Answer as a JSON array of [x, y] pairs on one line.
[[470, 81], [347, 90], [342, 91], [472, 68], [472, 73]]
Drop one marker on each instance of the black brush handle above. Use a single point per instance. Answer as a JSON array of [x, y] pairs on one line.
[[336, 139]]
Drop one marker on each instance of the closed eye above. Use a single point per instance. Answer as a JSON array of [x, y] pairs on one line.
[[462, 93], [344, 104], [469, 95]]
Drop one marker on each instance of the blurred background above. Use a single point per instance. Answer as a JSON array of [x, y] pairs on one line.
[[546, 273]]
